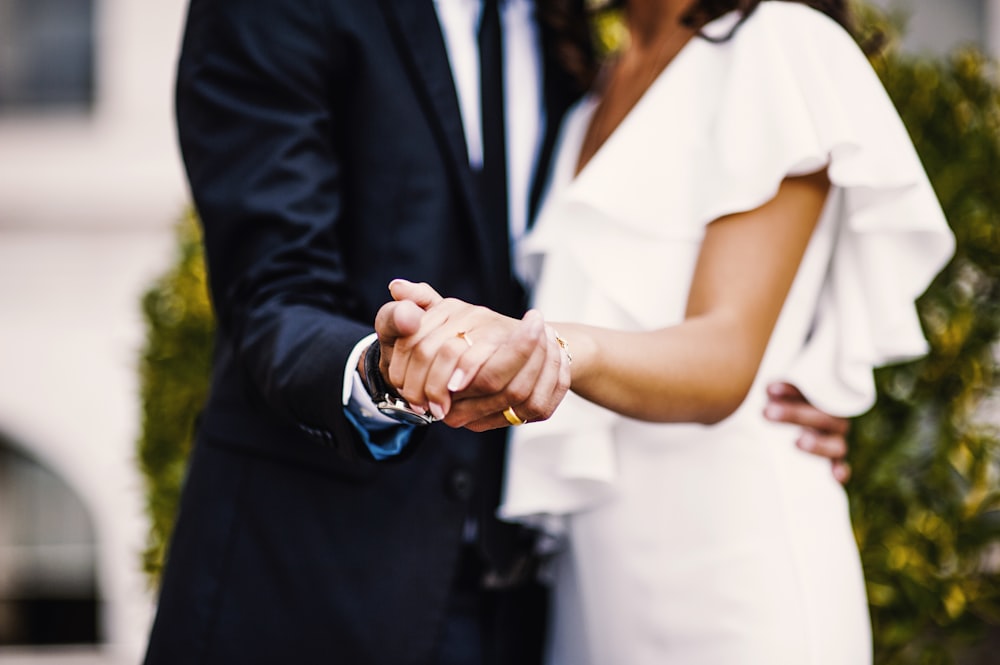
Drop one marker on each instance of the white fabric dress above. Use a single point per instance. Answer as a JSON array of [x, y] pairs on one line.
[[724, 545]]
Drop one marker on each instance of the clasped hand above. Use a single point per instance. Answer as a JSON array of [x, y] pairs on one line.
[[466, 364]]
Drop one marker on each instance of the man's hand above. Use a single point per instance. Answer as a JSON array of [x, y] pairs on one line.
[[467, 364], [822, 434], [393, 321]]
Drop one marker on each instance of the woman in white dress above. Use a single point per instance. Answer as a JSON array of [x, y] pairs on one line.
[[738, 203]]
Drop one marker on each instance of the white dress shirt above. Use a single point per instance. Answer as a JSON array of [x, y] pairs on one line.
[[524, 116], [459, 21]]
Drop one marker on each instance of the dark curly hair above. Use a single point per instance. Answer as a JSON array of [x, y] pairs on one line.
[[570, 24]]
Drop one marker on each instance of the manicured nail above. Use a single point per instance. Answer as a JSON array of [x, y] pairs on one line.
[[536, 322], [437, 411], [457, 380], [807, 441]]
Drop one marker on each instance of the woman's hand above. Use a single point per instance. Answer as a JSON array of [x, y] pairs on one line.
[[466, 364], [425, 365], [822, 434]]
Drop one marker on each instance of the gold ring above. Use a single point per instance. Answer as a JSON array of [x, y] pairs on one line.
[[464, 336], [511, 417]]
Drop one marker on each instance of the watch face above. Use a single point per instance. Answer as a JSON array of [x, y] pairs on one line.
[[401, 411]]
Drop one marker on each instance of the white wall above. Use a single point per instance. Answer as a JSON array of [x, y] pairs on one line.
[[938, 26], [70, 339], [991, 26], [116, 167], [87, 204]]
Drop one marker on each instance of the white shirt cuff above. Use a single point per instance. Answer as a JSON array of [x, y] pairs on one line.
[[355, 394]]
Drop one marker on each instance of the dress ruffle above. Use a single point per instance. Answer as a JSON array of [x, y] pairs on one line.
[[716, 134]]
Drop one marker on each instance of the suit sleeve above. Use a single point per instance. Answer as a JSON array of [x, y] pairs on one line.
[[256, 98]]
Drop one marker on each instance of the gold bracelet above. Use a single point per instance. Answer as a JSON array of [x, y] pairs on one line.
[[564, 345]]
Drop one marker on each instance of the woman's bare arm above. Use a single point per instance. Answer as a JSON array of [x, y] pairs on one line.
[[701, 370]]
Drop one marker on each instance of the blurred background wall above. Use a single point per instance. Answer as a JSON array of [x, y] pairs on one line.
[[940, 25], [90, 187]]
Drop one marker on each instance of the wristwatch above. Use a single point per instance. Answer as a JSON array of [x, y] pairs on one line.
[[389, 402]]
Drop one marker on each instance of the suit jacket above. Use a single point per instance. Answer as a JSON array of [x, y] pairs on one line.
[[325, 152]]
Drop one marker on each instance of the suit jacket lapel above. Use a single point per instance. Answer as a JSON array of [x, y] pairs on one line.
[[415, 26], [416, 30]]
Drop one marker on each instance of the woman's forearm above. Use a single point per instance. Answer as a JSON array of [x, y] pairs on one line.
[[698, 371], [701, 369]]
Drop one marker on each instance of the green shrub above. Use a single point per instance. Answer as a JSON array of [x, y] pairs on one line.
[[926, 498], [925, 495], [174, 370]]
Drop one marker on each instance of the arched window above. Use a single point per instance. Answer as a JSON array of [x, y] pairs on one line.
[[46, 54], [48, 581]]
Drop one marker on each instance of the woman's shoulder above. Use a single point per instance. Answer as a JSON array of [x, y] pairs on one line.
[[794, 14], [786, 42], [793, 22]]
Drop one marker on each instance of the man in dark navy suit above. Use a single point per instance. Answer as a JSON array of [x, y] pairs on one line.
[[331, 146]]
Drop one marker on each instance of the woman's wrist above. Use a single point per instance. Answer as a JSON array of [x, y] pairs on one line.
[[577, 345], [563, 343]]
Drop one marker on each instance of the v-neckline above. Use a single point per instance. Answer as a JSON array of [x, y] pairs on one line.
[[592, 100]]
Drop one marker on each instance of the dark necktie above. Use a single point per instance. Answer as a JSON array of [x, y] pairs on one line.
[[493, 178], [496, 539]]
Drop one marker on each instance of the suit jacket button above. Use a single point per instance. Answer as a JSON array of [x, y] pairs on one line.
[[461, 484]]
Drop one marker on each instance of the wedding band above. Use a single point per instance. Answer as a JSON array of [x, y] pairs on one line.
[[464, 336], [511, 417]]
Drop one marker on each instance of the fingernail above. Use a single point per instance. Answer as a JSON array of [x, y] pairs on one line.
[[807, 441], [437, 411], [772, 411], [536, 326], [456, 380]]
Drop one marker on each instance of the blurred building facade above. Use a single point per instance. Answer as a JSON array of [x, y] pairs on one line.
[[937, 26], [90, 186]]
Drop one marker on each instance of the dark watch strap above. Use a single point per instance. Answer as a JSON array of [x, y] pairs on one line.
[[378, 388], [387, 400]]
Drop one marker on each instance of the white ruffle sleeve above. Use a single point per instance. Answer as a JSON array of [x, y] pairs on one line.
[[716, 134], [828, 106]]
